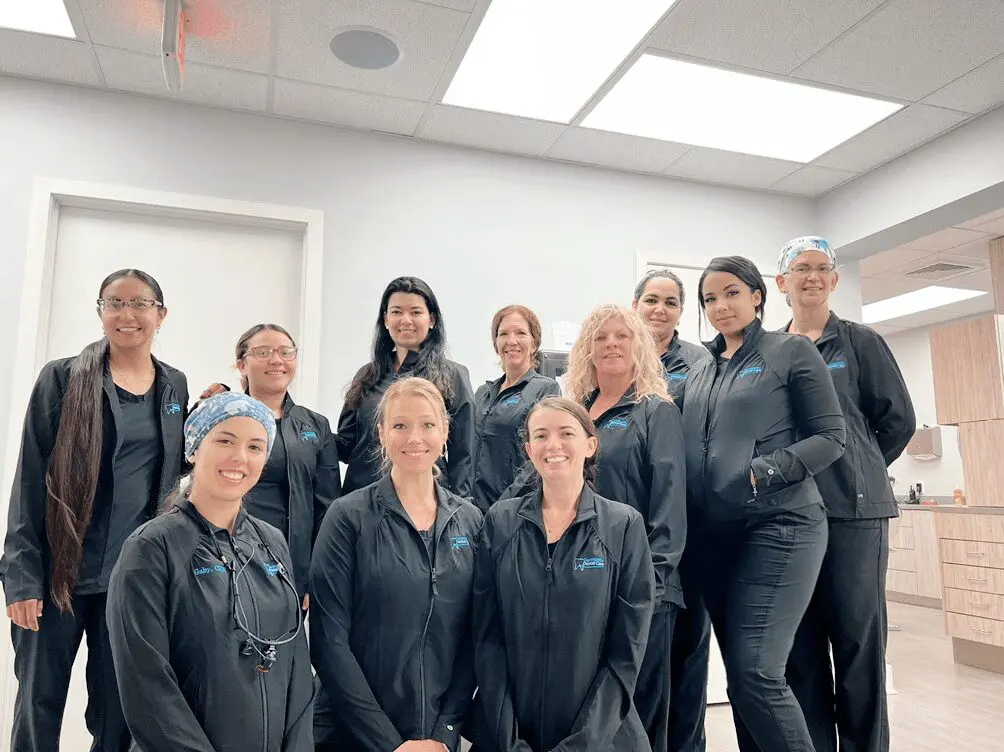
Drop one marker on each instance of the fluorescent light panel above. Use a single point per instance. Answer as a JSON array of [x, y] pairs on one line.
[[545, 59], [914, 302], [695, 104], [38, 16]]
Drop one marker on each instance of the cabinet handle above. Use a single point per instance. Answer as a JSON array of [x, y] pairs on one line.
[[975, 554], [977, 580], [976, 604]]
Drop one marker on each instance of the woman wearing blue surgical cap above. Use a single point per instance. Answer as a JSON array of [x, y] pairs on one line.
[[846, 700], [203, 615]]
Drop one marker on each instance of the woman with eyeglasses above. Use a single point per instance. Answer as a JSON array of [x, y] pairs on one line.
[[409, 340], [761, 420], [844, 700], [203, 614], [102, 444], [502, 405]]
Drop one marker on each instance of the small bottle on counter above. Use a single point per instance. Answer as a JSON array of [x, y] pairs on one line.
[[913, 495]]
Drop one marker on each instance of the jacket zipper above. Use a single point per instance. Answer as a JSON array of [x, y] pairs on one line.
[[428, 618], [548, 571], [261, 676]]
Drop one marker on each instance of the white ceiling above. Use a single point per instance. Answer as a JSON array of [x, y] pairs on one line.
[[944, 59], [885, 275]]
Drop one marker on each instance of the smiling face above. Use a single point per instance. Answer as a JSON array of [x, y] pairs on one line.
[[612, 348], [729, 303], [810, 279], [660, 307], [408, 320], [130, 327], [273, 373], [514, 343], [230, 459], [558, 444], [412, 433]]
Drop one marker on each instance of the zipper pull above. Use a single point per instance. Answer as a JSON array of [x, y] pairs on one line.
[[435, 587]]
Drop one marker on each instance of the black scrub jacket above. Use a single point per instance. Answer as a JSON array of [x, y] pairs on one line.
[[500, 418], [25, 565], [359, 445], [879, 415], [677, 361], [774, 412], [559, 639], [184, 681], [390, 626]]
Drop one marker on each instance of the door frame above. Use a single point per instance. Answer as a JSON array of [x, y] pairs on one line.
[[49, 197]]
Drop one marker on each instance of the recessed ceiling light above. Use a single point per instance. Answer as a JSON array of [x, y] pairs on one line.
[[368, 49], [695, 104], [914, 302], [38, 16], [545, 59]]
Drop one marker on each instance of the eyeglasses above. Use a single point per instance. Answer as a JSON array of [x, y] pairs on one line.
[[265, 353], [137, 304], [804, 270]]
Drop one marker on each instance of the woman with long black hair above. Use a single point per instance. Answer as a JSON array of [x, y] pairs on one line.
[[409, 340], [102, 444], [761, 421]]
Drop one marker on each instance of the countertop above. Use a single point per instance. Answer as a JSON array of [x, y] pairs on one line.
[[963, 509]]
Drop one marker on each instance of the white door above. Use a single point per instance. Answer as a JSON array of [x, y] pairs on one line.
[[218, 279]]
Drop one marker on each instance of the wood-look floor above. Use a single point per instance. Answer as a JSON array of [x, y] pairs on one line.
[[940, 706]]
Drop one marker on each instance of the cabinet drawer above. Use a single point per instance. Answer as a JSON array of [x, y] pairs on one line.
[[972, 527], [985, 605], [897, 581], [976, 628], [974, 553], [903, 559], [976, 579], [904, 539]]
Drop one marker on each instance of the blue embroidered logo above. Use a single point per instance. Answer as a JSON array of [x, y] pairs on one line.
[[751, 371], [510, 401], [272, 569], [676, 376], [617, 424], [458, 542], [837, 364], [172, 408], [218, 568], [589, 562], [308, 435]]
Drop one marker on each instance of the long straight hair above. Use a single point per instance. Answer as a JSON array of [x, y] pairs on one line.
[[432, 363], [71, 479]]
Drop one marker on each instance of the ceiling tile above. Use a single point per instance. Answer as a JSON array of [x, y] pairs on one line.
[[974, 92], [885, 330], [994, 228], [895, 135], [812, 180], [944, 240], [874, 289], [144, 74], [225, 33], [465, 5], [774, 35], [730, 168], [886, 261], [616, 150], [979, 249], [910, 48], [38, 56], [349, 108], [425, 34], [982, 220], [487, 130]]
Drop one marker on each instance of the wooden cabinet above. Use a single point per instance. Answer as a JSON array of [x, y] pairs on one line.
[[981, 466], [966, 361], [914, 573]]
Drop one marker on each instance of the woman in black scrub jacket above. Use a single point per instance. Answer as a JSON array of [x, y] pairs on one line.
[[102, 444], [659, 299], [563, 596], [391, 587], [501, 406], [204, 617], [846, 700], [761, 420], [409, 340]]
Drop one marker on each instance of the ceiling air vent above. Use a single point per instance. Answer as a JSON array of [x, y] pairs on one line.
[[940, 270]]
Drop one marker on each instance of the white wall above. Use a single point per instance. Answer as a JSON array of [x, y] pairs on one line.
[[941, 477], [483, 229]]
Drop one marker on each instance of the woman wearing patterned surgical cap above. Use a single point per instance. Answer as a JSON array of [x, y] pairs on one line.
[[203, 615], [846, 700]]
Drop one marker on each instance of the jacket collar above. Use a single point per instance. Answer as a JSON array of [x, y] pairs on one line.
[[829, 330], [240, 524], [751, 335], [496, 384], [532, 507], [446, 504], [628, 398], [673, 349]]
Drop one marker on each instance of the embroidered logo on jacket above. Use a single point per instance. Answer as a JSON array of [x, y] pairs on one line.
[[837, 364], [617, 424], [750, 371], [589, 562], [308, 435], [215, 568], [271, 569], [458, 542], [172, 408], [676, 376], [514, 399]]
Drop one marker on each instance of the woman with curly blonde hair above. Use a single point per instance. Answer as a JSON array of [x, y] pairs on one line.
[[615, 373]]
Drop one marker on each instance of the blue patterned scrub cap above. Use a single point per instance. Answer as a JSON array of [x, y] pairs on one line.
[[211, 412], [795, 248]]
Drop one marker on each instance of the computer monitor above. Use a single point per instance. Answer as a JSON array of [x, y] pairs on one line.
[[553, 363]]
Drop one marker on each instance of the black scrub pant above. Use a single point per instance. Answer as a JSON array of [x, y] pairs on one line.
[[42, 664], [651, 693], [689, 659], [757, 579], [846, 701]]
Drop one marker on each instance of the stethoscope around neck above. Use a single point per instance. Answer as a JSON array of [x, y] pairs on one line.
[[265, 648]]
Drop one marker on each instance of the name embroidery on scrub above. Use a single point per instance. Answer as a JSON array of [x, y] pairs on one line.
[[750, 371], [458, 542], [676, 377], [589, 562], [271, 569], [172, 408], [308, 435], [618, 424], [215, 568], [837, 364]]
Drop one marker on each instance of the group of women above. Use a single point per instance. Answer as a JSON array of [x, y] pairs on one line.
[[529, 571]]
